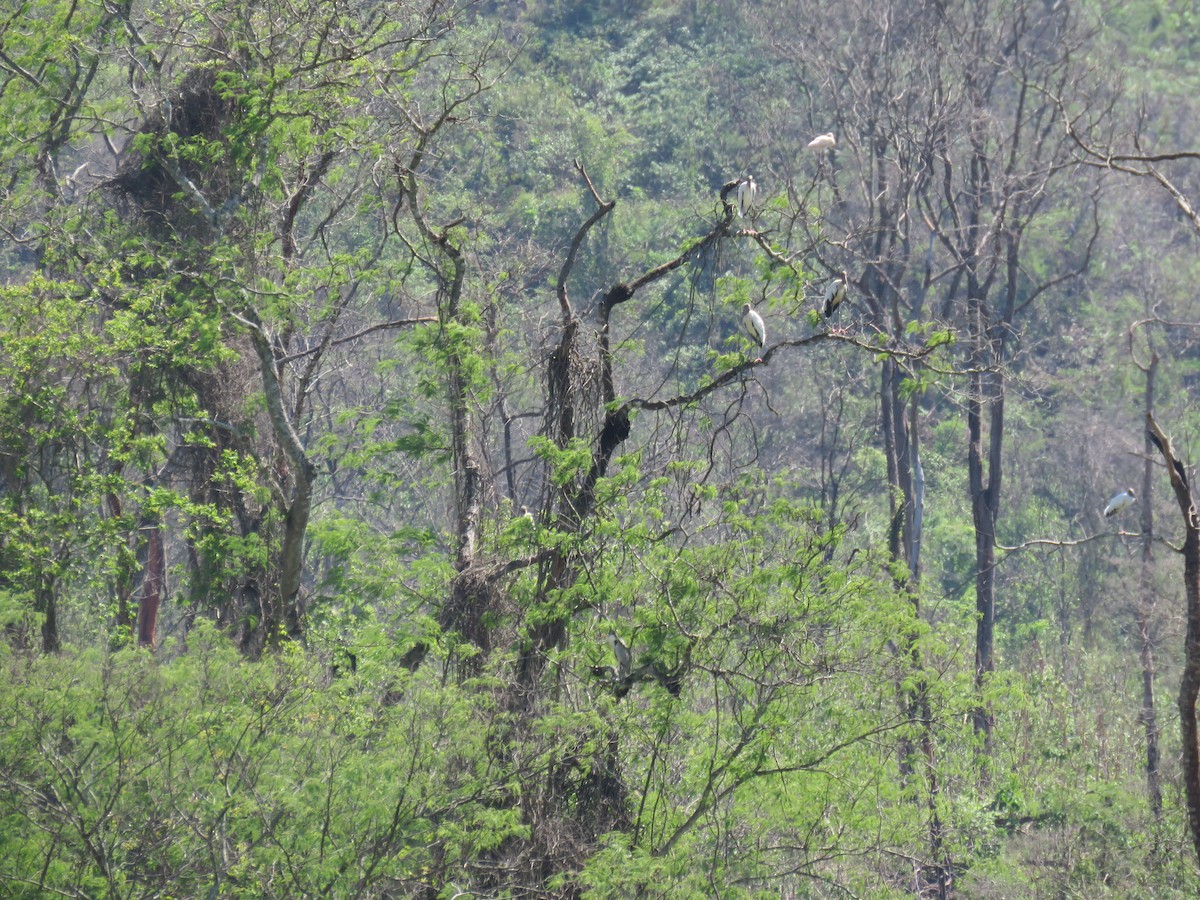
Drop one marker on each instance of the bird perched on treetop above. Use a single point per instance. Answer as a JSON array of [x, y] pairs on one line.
[[745, 195], [753, 323], [822, 142], [835, 293], [1121, 501]]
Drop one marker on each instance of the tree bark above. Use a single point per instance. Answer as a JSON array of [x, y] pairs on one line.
[[299, 506], [470, 593], [48, 607], [1145, 609], [896, 452], [984, 493], [1189, 685], [124, 576], [470, 596], [152, 590]]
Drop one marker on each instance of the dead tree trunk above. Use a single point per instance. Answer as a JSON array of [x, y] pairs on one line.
[[573, 397], [1145, 610], [983, 472], [152, 590], [1189, 686], [46, 603], [470, 598]]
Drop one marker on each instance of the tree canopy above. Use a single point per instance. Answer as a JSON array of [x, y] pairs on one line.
[[393, 502]]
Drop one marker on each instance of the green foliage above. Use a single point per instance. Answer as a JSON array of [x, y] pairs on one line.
[[796, 715], [205, 772]]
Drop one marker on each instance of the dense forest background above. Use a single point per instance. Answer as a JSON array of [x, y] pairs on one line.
[[392, 503]]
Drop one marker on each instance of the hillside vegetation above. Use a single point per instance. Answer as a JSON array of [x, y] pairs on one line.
[[395, 503]]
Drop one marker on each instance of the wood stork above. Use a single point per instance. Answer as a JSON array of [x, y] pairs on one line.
[[621, 652], [822, 142], [745, 195], [835, 293], [1121, 501], [753, 323]]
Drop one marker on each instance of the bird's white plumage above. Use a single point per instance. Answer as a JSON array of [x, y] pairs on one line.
[[835, 293], [1120, 502], [745, 195], [754, 325], [621, 652], [822, 141]]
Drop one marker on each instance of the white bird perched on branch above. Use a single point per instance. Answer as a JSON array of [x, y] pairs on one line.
[[745, 195], [621, 652], [822, 142], [1121, 501], [835, 293], [754, 325]]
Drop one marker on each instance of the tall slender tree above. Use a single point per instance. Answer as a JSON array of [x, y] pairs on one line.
[[1189, 685]]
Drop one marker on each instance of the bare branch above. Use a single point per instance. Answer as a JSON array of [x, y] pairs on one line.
[[380, 326], [602, 210], [732, 375], [1059, 543]]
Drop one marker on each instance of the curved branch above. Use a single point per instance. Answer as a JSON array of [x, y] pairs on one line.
[[619, 293], [1127, 163], [379, 326], [519, 563], [603, 209], [1059, 543], [731, 375]]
